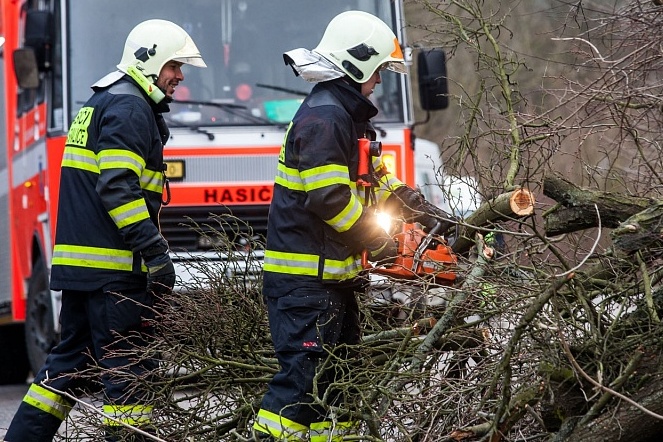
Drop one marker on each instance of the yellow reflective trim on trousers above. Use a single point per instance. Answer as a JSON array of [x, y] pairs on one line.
[[152, 180], [93, 257], [47, 401], [324, 176], [280, 427], [292, 263], [128, 414], [130, 213], [78, 158], [347, 217], [288, 177], [121, 159], [333, 431], [338, 270]]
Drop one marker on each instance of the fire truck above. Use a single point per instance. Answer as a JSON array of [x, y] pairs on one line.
[[227, 125]]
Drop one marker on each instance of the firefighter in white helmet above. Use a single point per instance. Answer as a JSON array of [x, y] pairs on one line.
[[109, 260], [318, 227]]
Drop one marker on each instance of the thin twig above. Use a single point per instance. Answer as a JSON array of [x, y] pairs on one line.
[[591, 252], [95, 410]]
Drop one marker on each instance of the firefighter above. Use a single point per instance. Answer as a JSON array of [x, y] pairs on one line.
[[318, 226], [110, 261]]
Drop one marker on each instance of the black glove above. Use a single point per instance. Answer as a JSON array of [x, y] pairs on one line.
[[382, 250], [160, 269], [414, 207]]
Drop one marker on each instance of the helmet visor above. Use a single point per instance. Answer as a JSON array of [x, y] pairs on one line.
[[193, 61]]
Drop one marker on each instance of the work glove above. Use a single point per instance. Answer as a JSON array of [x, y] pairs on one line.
[[382, 250], [160, 269], [414, 207]]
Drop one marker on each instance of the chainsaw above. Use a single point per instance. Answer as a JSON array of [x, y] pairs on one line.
[[419, 253]]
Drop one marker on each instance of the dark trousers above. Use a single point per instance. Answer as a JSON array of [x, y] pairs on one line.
[[300, 324], [96, 328]]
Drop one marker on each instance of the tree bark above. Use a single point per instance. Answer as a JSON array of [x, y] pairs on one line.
[[576, 209], [627, 423]]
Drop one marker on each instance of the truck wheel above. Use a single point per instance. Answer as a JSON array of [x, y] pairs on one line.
[[14, 366], [40, 335]]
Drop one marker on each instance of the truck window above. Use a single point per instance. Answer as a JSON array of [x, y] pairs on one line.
[[242, 42]]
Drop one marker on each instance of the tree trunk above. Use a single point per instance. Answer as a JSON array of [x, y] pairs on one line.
[[627, 423], [577, 207]]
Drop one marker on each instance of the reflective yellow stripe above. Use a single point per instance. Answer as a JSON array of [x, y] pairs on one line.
[[289, 178], [121, 159], [152, 180], [338, 270], [332, 431], [388, 183], [130, 213], [93, 257], [324, 176], [129, 414], [47, 401], [292, 263], [347, 217], [78, 158], [308, 265], [280, 427]]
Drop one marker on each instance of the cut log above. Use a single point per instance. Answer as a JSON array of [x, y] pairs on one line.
[[511, 205]]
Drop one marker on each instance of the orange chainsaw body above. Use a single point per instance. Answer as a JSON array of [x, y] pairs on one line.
[[439, 261]]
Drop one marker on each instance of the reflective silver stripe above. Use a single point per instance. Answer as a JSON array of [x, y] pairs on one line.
[[121, 159], [130, 213], [347, 217], [93, 257], [337, 270], [332, 431], [152, 180], [324, 176], [280, 427], [128, 414], [388, 183], [47, 401], [293, 263], [289, 178], [78, 158]]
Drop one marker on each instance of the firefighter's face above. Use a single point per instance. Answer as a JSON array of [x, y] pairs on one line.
[[367, 88], [169, 77]]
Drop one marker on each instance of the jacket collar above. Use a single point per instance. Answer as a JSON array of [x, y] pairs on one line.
[[359, 107]]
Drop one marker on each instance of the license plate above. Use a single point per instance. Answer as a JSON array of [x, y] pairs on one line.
[[174, 169]]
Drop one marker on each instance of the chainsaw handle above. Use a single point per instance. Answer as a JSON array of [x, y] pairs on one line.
[[434, 230], [425, 242], [364, 260]]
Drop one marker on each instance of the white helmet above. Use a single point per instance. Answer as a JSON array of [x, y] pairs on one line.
[[359, 43], [153, 43]]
